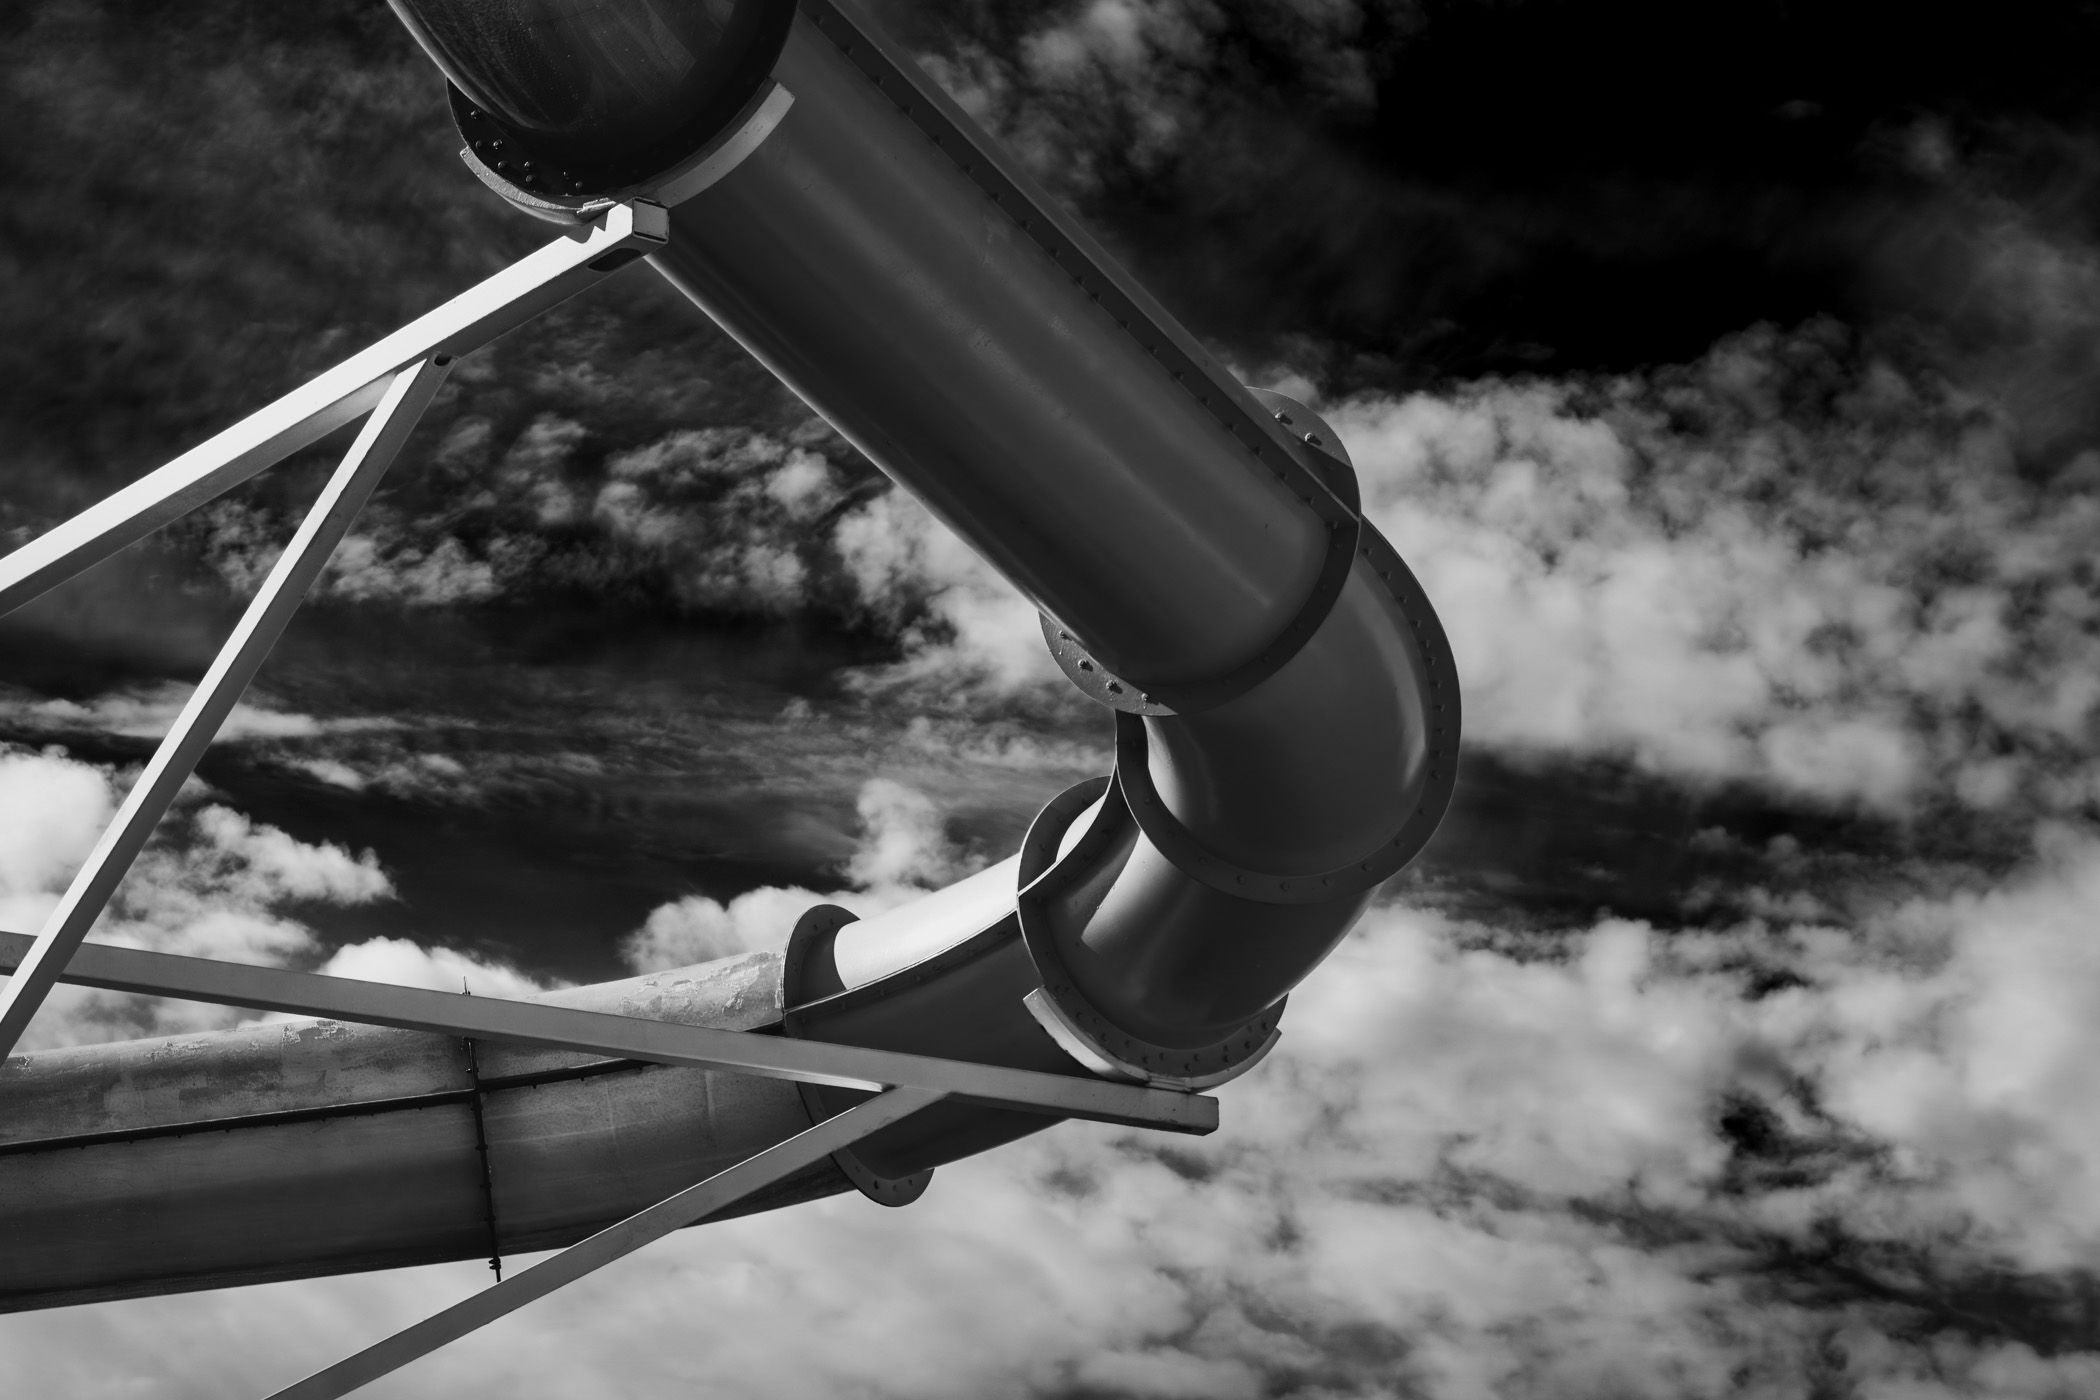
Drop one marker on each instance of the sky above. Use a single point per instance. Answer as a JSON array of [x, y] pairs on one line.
[[1721, 370]]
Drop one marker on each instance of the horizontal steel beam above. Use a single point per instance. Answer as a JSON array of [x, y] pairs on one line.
[[602, 1033], [322, 404]]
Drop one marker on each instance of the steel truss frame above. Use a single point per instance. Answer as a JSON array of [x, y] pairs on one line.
[[393, 381]]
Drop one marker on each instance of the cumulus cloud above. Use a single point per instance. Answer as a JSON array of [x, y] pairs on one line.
[[963, 626], [1600, 1163], [1788, 563], [904, 850], [213, 883], [408, 964]]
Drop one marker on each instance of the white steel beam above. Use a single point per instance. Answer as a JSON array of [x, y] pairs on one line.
[[401, 404], [631, 1037], [321, 405], [694, 1203]]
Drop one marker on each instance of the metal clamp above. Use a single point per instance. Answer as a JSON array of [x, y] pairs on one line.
[[1195, 859]]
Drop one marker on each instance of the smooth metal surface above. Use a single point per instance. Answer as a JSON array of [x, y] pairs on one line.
[[866, 267], [321, 405], [610, 1244], [689, 179], [659, 1042], [345, 494]]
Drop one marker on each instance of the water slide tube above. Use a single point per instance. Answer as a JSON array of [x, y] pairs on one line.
[[1285, 707]]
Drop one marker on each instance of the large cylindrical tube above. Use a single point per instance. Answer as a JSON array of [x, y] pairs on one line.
[[866, 269], [1287, 704], [312, 1147]]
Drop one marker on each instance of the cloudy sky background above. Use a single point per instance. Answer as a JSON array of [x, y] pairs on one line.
[[1724, 373]]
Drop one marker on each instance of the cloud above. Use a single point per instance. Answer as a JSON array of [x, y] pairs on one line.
[[726, 519], [905, 841], [55, 810], [149, 712], [904, 850], [1600, 1161], [213, 883], [1790, 563], [1520, 1170], [407, 964], [698, 929], [965, 629]]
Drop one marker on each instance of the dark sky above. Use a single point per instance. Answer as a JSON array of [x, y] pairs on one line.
[[1723, 370]]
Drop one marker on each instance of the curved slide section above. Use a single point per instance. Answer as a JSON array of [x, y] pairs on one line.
[[1285, 704]]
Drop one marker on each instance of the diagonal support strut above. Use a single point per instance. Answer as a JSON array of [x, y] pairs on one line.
[[336, 396], [254, 635]]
